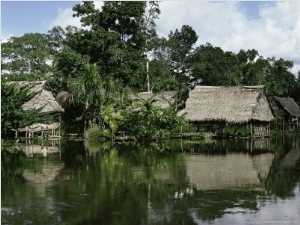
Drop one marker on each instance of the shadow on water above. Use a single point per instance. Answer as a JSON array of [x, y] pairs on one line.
[[170, 182]]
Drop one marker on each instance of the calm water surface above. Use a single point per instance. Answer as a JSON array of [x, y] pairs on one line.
[[177, 182]]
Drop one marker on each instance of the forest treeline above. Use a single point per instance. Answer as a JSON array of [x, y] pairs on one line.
[[117, 50]]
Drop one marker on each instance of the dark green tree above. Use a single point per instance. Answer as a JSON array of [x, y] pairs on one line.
[[279, 80], [115, 41], [212, 66]]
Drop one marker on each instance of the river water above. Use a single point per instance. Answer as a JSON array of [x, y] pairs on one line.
[[170, 182]]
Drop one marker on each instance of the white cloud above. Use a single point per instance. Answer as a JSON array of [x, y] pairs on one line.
[[5, 39], [224, 24], [65, 18], [98, 4]]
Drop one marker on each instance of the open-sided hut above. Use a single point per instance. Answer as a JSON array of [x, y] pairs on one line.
[[43, 100], [163, 99], [230, 105], [290, 111]]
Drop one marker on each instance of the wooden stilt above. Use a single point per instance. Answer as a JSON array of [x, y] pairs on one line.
[[42, 132]]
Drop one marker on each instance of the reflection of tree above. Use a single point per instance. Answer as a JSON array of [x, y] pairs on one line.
[[284, 175], [12, 165], [127, 179], [282, 182]]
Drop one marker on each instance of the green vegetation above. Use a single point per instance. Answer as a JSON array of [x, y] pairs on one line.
[[92, 71], [12, 114], [145, 120]]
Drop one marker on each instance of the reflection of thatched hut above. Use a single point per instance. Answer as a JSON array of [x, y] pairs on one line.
[[163, 99], [231, 171], [43, 100], [44, 178], [31, 150], [232, 105], [289, 109]]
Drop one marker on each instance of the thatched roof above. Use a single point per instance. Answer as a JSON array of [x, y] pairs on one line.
[[163, 99], [238, 104], [44, 98], [289, 105]]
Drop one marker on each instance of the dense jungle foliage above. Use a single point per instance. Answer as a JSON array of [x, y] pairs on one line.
[[91, 70]]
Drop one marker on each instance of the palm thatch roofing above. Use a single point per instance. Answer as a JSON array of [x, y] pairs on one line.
[[289, 105], [238, 104], [43, 99], [163, 99]]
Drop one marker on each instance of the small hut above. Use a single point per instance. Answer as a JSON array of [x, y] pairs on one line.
[[230, 105], [289, 110], [163, 99], [43, 100]]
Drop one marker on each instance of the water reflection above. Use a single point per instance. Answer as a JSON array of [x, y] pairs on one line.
[[31, 149], [230, 171], [217, 182]]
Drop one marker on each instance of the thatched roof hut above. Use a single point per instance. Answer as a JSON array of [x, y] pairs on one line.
[[163, 99], [43, 99], [238, 104], [289, 105]]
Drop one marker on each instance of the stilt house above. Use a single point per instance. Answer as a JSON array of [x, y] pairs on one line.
[[290, 111]]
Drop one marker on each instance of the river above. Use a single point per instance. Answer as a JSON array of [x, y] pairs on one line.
[[170, 182]]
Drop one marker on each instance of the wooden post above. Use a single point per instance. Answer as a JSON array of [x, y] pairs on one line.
[[251, 129], [42, 131]]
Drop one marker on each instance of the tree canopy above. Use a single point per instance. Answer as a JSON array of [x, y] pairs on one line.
[[30, 53]]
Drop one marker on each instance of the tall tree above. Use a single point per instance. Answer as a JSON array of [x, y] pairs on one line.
[[115, 40], [174, 51], [30, 53], [212, 66], [279, 80]]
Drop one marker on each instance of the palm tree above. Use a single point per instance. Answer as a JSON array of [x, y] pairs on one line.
[[93, 90]]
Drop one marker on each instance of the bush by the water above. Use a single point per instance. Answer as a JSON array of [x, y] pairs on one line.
[[93, 134]]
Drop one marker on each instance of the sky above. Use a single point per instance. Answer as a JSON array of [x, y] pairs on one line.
[[270, 27]]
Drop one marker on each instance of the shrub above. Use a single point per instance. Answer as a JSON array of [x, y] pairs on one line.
[[93, 134], [144, 121]]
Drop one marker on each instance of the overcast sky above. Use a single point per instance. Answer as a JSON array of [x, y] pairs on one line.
[[271, 27]]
